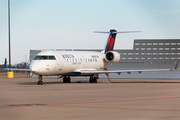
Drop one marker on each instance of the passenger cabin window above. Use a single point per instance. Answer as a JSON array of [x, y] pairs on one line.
[[43, 57]]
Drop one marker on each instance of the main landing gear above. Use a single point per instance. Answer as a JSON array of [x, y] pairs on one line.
[[40, 82], [93, 79], [66, 79]]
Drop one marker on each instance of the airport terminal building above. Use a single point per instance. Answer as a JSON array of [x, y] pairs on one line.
[[146, 54]]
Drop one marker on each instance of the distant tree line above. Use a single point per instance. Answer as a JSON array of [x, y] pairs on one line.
[[22, 65]]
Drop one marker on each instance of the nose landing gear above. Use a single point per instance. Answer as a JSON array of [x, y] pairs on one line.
[[40, 82]]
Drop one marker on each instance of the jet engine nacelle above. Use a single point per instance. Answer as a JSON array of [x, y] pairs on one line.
[[112, 57]]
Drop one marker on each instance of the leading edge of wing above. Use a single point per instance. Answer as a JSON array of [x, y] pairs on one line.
[[126, 71], [121, 71], [13, 69], [17, 69]]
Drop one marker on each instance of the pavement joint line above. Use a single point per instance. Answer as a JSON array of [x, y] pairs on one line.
[[34, 85], [61, 104], [156, 109], [16, 86]]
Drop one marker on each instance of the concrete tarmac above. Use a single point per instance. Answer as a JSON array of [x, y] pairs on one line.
[[126, 99]]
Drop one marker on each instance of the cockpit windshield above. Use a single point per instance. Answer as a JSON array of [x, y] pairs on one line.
[[44, 57], [36, 57]]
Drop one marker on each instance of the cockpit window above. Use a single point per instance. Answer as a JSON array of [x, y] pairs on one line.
[[52, 58], [43, 57], [36, 57]]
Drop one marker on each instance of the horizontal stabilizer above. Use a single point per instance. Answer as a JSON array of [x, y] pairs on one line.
[[117, 32]]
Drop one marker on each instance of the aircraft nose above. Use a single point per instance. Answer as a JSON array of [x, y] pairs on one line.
[[33, 68]]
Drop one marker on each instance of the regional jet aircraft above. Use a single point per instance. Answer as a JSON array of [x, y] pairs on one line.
[[80, 63]]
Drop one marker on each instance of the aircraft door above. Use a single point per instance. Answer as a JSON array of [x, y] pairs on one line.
[[60, 62]]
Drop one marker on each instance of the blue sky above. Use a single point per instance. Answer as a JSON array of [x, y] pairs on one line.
[[53, 24]]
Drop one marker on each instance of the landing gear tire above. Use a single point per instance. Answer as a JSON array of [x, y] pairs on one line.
[[66, 79], [40, 82], [93, 79]]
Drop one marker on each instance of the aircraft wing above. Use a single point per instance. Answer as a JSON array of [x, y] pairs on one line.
[[121, 71], [85, 72], [14, 69], [17, 69]]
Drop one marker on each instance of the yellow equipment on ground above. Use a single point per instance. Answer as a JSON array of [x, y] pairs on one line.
[[10, 74]]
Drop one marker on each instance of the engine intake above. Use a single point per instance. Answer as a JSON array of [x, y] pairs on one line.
[[112, 57]]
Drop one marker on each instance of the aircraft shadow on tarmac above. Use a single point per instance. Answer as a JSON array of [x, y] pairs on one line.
[[85, 81], [55, 82]]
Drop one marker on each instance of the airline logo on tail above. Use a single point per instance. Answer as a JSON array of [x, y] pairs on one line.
[[110, 42]]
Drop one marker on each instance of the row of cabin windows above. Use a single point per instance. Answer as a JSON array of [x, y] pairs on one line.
[[80, 60]]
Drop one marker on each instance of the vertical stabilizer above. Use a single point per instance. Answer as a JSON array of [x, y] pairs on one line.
[[111, 41], [5, 63]]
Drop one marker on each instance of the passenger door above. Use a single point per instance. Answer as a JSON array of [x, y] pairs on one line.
[[59, 61]]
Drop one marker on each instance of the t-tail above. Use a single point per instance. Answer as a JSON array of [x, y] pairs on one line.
[[111, 39]]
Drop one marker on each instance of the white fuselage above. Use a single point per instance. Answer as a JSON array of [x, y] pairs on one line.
[[67, 62]]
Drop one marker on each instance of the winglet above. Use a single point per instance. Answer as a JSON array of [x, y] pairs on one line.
[[176, 64], [5, 63]]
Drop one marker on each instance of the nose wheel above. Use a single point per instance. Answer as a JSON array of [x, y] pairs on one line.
[[40, 82]]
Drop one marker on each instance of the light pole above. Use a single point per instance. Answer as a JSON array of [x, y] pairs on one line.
[[9, 73], [9, 34]]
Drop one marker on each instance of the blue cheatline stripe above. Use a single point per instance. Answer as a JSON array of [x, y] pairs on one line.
[[106, 49]]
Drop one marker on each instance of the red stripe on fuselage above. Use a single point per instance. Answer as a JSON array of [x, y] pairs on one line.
[[63, 56]]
